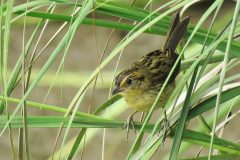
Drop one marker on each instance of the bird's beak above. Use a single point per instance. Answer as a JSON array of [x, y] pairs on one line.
[[116, 90]]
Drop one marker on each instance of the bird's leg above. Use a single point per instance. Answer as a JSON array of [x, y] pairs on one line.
[[129, 122], [142, 117], [166, 127]]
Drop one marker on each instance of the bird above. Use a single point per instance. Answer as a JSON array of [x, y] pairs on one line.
[[140, 84]]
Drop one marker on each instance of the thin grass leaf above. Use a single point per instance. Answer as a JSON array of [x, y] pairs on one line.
[[90, 21], [77, 142], [122, 26], [210, 103], [224, 109], [1, 42], [42, 106], [223, 73], [30, 5], [4, 64], [24, 131], [203, 139], [75, 11], [187, 104], [200, 36], [209, 56], [53, 122], [207, 105], [86, 116], [192, 137], [82, 14], [83, 130], [112, 113], [53, 56], [161, 27], [108, 103], [218, 157], [151, 151], [17, 68], [6, 44], [182, 120]]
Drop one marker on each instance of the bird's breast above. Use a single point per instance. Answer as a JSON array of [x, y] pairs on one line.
[[143, 101]]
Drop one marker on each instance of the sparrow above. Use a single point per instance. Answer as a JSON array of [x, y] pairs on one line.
[[140, 84]]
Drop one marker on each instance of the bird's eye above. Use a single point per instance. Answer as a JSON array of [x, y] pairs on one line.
[[129, 81]]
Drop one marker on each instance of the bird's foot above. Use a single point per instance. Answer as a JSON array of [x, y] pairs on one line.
[[166, 128], [129, 124]]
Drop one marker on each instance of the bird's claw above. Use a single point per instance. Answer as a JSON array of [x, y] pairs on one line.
[[129, 123], [166, 128]]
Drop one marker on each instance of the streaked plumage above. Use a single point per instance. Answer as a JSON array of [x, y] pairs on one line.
[[140, 84]]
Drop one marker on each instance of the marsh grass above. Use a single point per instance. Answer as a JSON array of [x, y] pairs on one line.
[[205, 92]]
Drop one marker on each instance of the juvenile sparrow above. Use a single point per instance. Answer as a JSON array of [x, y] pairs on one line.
[[140, 84]]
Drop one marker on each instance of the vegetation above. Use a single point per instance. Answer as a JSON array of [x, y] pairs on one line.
[[206, 93]]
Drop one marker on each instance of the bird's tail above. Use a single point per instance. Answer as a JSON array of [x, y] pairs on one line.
[[177, 30]]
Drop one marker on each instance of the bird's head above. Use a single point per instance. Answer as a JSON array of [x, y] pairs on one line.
[[132, 82]]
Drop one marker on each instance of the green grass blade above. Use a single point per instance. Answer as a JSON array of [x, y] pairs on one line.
[[53, 56], [223, 73], [4, 64], [30, 5], [160, 28], [218, 157], [82, 14], [42, 106], [17, 68], [222, 112], [204, 139], [196, 111], [6, 44], [83, 130], [77, 142], [210, 102], [54, 122], [192, 137], [182, 120]]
